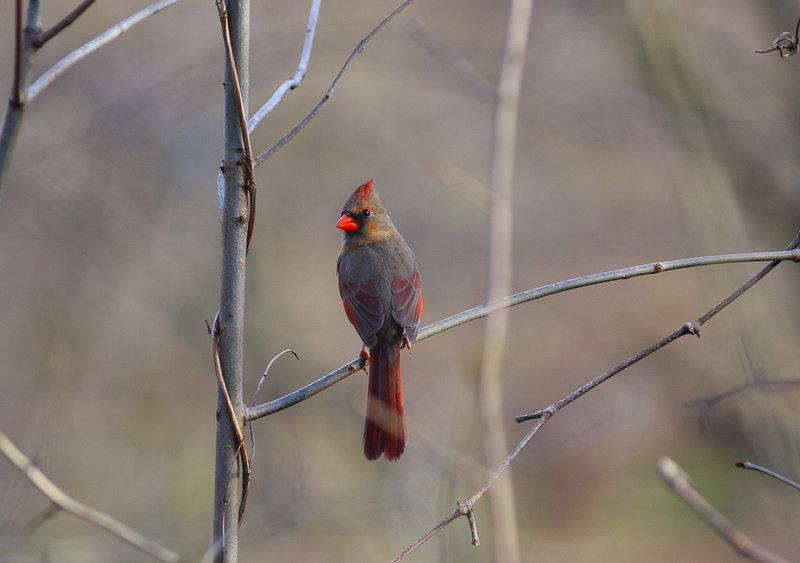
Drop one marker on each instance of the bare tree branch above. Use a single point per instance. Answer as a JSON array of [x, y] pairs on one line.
[[106, 37], [303, 122], [546, 414], [66, 21], [677, 480], [517, 299], [761, 469], [91, 515], [24, 54], [295, 80]]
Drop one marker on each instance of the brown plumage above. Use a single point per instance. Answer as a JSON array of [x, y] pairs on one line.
[[380, 289]]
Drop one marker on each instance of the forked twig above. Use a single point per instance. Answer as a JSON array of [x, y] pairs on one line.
[[542, 416], [303, 122]]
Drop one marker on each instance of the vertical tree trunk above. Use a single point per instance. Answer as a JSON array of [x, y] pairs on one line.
[[234, 214]]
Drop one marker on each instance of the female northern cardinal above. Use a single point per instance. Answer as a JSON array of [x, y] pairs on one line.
[[379, 285]]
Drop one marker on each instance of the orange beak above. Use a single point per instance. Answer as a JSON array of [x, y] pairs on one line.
[[347, 223]]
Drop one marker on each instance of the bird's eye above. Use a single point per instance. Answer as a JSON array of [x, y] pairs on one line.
[[366, 213]]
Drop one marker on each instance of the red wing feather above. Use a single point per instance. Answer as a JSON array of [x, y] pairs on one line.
[[407, 303], [363, 308]]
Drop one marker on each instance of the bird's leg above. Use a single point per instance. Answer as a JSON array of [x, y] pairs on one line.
[[365, 354], [406, 342]]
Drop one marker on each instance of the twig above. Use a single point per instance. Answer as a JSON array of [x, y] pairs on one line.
[[748, 465], [250, 181], [16, 85], [677, 480], [785, 43], [106, 37], [705, 404], [261, 381], [237, 428], [67, 20], [544, 415], [303, 122], [517, 299], [294, 81], [78, 509]]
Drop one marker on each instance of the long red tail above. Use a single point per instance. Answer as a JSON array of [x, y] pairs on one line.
[[385, 425]]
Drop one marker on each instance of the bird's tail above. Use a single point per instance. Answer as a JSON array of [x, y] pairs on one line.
[[385, 426]]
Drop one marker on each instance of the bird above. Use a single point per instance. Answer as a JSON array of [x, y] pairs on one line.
[[380, 288]]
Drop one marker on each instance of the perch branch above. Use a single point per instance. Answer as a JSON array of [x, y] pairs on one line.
[[518, 298], [91, 515]]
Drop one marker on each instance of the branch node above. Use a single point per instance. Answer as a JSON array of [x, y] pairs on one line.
[[692, 327]]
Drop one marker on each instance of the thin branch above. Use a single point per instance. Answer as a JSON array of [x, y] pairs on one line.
[[749, 465], [303, 122], [705, 404], [517, 299], [544, 415], [16, 86], [294, 81], [24, 54], [237, 428], [65, 502], [677, 480], [250, 182], [66, 21], [106, 37], [261, 381]]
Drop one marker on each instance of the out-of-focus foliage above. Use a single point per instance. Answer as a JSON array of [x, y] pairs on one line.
[[649, 130]]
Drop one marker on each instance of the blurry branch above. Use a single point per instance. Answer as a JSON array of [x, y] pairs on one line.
[[453, 61], [785, 43], [67, 20], [705, 404], [295, 80], [24, 54], [748, 465], [78, 509], [677, 480], [501, 219], [107, 36], [28, 41], [546, 414], [791, 253], [312, 114]]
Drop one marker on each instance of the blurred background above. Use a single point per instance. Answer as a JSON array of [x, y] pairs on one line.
[[649, 130]]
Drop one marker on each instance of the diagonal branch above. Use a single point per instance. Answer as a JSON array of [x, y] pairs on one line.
[[517, 299], [91, 515], [294, 81], [312, 114], [107, 36], [677, 480], [546, 414], [60, 26]]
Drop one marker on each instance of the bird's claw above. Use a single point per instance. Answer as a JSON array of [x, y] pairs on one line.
[[364, 354], [406, 342]]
